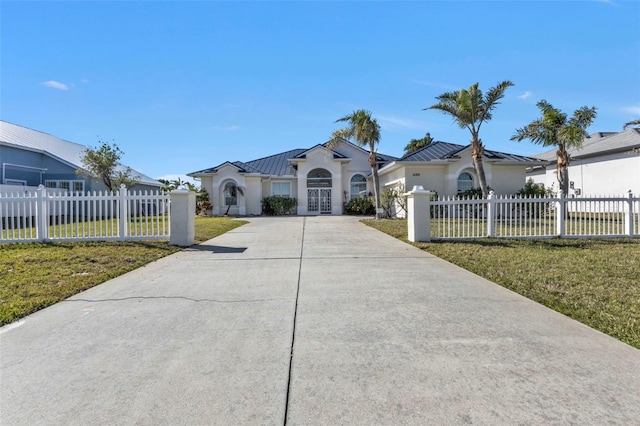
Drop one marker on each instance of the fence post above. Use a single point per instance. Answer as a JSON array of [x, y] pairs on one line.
[[419, 214], [183, 214], [629, 215], [42, 221], [561, 214], [491, 215], [123, 211]]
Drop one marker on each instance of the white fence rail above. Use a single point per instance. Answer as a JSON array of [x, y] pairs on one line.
[[44, 215], [447, 218]]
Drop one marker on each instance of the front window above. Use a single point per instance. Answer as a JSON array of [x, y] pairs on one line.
[[319, 178], [282, 189], [230, 194], [65, 185], [358, 185], [465, 182]]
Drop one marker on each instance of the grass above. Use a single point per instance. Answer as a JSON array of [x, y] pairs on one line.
[[34, 276], [594, 281]]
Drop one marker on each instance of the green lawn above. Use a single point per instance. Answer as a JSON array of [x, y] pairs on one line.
[[594, 281], [33, 276]]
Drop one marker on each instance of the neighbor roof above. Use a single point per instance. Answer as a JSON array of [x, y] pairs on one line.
[[70, 153], [600, 143]]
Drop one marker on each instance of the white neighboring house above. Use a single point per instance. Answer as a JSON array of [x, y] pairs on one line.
[[30, 158], [323, 180], [608, 163]]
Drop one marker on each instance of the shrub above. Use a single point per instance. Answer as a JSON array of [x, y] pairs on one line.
[[532, 189], [277, 205], [360, 206]]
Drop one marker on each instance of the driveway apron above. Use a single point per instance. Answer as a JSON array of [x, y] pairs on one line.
[[316, 320]]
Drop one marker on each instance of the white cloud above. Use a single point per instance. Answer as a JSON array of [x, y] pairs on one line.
[[525, 95], [633, 110], [228, 128], [55, 85], [399, 122]]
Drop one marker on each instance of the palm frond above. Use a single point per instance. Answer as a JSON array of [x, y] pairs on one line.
[[632, 123]]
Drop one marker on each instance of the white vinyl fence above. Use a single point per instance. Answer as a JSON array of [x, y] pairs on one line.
[[48, 215], [447, 218]]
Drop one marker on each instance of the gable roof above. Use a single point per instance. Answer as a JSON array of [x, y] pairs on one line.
[[69, 153], [600, 143]]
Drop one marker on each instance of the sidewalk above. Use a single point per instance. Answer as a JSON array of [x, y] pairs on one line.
[[384, 334]]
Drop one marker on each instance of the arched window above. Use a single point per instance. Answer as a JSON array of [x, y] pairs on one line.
[[465, 182], [358, 185], [230, 194], [319, 178]]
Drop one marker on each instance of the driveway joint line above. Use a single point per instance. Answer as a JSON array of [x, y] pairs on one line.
[[293, 332], [122, 299]]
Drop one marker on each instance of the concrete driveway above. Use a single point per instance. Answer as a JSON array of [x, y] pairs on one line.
[[317, 320]]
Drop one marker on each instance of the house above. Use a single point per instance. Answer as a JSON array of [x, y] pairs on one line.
[[30, 158], [608, 163], [322, 180]]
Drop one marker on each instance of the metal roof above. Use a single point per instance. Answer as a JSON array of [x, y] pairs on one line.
[[273, 165], [70, 153], [445, 151], [599, 143]]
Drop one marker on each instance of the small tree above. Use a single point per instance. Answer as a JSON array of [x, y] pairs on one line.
[[103, 162], [416, 144]]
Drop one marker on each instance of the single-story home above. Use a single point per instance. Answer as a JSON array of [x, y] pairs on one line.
[[30, 158], [608, 163], [322, 180]]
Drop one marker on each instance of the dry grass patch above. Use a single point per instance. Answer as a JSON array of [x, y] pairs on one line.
[[594, 281]]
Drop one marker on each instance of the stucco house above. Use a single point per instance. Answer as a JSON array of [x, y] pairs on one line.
[[608, 163], [322, 180], [30, 158]]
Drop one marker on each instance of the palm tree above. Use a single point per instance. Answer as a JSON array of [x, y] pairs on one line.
[[470, 109], [365, 132], [416, 144], [554, 129], [632, 123]]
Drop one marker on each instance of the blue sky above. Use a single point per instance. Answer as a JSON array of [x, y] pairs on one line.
[[182, 86]]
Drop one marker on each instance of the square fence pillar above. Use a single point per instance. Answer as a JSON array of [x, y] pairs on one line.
[[183, 216], [419, 214]]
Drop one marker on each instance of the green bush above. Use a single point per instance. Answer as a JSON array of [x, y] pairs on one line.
[[277, 205], [360, 206], [532, 189]]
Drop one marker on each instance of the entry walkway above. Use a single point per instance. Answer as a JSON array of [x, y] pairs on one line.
[[314, 321]]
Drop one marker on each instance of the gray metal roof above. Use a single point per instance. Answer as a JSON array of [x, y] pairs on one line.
[[273, 165], [599, 143], [70, 153], [434, 151], [445, 150]]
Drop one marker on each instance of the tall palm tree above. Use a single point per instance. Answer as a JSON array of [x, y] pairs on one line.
[[632, 123], [365, 131], [555, 129], [470, 109]]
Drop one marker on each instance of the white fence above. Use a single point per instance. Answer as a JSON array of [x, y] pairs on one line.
[[448, 218], [45, 215]]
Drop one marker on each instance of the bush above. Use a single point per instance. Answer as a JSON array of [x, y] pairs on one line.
[[360, 206], [532, 189], [277, 205]]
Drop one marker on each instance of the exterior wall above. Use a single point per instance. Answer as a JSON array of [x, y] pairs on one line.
[[53, 169], [430, 177], [253, 196], [507, 180], [216, 191], [318, 158], [613, 174]]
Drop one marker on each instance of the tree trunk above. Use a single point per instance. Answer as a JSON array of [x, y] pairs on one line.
[[562, 170], [376, 182], [476, 155]]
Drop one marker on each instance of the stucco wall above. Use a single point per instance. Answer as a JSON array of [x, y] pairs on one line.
[[318, 158]]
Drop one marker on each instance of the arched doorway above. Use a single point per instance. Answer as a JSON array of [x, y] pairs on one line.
[[319, 184]]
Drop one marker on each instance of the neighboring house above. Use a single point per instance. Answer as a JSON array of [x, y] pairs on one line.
[[30, 158], [323, 180], [608, 163]]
